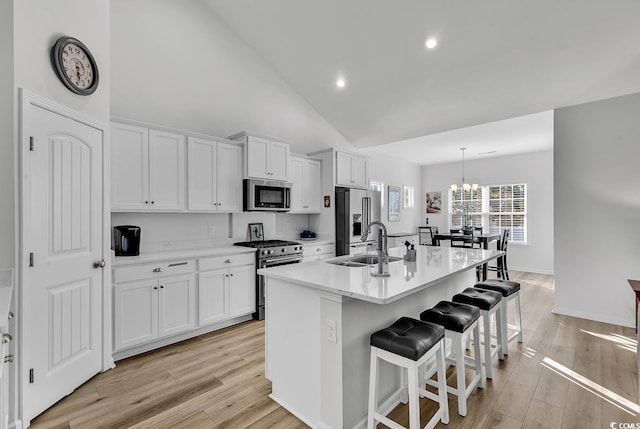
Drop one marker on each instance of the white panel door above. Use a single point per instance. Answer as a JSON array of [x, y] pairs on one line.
[[212, 299], [312, 189], [229, 177], [176, 305], [202, 174], [257, 157], [63, 227], [135, 313], [129, 167], [297, 177], [279, 161], [242, 290], [166, 171]]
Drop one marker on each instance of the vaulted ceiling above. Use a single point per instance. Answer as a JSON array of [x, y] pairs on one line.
[[495, 59]]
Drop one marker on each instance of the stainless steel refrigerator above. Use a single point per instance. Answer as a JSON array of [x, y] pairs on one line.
[[355, 208]]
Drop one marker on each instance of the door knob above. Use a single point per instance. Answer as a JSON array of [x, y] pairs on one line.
[[99, 264]]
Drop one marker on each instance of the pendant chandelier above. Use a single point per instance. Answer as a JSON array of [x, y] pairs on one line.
[[465, 186]]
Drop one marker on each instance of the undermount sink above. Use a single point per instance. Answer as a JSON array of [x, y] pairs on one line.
[[371, 259], [360, 261]]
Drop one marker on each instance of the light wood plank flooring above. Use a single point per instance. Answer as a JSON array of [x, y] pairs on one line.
[[568, 373]]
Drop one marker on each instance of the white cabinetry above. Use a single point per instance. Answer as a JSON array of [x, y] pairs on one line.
[[226, 287], [215, 176], [147, 169], [148, 307], [265, 158], [351, 170], [306, 179], [318, 252]]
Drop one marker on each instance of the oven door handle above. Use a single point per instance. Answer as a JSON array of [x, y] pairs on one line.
[[280, 261]]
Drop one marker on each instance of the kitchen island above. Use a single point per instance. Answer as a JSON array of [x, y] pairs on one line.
[[319, 317]]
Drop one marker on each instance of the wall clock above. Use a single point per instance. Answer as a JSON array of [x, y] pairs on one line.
[[74, 65]]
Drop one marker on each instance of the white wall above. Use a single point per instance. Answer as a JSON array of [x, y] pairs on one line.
[[7, 138], [535, 169], [176, 64], [597, 209], [395, 172]]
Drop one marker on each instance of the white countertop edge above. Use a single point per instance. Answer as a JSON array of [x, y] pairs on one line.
[[118, 261], [359, 296], [332, 290]]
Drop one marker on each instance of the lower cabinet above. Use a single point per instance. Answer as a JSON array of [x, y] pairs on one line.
[[318, 252], [225, 293], [150, 309]]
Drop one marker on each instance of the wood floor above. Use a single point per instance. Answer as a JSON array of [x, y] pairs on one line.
[[568, 373]]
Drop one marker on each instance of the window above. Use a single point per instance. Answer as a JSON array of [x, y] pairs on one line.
[[465, 208], [508, 210], [378, 186], [495, 208], [407, 194]]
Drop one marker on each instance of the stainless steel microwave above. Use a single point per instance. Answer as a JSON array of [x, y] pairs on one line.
[[266, 195]]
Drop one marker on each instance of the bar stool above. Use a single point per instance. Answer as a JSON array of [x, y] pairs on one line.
[[489, 303], [409, 343], [459, 322], [510, 291]]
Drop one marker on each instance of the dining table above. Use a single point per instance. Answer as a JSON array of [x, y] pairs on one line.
[[482, 239]]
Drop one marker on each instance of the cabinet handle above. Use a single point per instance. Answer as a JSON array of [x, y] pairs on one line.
[[231, 274], [155, 288], [8, 358], [177, 264], [227, 261], [146, 202], [153, 202], [6, 338], [157, 270], [161, 286]]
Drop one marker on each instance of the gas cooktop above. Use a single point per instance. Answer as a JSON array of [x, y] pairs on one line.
[[266, 243]]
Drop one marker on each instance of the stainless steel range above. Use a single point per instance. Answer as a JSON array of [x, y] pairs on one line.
[[271, 253]]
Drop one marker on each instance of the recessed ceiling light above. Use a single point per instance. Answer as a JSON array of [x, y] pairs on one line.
[[431, 43], [340, 83]]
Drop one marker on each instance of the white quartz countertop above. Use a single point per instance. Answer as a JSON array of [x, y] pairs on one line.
[[433, 264], [6, 290], [117, 261]]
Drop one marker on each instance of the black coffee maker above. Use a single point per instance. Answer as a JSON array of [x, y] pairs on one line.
[[126, 240]]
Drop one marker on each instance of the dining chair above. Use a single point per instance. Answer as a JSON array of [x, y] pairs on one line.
[[501, 262], [433, 231]]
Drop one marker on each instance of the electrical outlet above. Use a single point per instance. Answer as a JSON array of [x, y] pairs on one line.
[[210, 229], [332, 335]]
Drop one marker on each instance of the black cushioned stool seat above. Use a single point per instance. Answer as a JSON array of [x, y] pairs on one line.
[[510, 291], [408, 337], [460, 322], [505, 287], [452, 315], [483, 299], [412, 345]]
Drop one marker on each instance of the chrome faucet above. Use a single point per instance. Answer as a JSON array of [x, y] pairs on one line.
[[383, 252]]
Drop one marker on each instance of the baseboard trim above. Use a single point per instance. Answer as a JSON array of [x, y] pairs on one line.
[[293, 411], [592, 316]]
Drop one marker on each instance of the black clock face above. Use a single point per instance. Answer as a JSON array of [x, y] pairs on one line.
[[75, 65]]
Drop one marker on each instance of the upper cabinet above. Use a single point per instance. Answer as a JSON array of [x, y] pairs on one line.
[[351, 170], [265, 158], [215, 175], [147, 169], [306, 185]]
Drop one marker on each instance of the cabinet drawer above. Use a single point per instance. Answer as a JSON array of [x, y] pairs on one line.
[[311, 250], [153, 270], [217, 262]]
